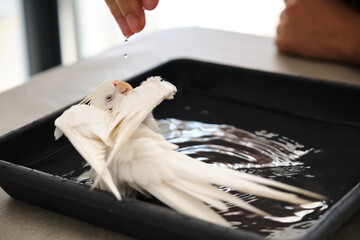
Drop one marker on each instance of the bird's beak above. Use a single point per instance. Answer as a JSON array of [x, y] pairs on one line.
[[123, 87]]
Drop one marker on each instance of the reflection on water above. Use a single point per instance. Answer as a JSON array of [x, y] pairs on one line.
[[261, 153], [231, 147]]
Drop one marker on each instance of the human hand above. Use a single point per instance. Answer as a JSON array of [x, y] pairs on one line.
[[325, 29], [130, 14]]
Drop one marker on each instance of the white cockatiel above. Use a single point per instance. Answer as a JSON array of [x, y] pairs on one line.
[[113, 129]]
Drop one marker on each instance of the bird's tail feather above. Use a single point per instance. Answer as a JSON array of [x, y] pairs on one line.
[[240, 181], [185, 203], [201, 191], [273, 183], [240, 184], [205, 191]]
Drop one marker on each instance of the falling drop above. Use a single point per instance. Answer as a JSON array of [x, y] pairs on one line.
[[126, 42]]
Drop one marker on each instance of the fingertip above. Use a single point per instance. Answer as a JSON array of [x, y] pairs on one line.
[[142, 22], [132, 22], [150, 4], [125, 29], [281, 44], [135, 23], [277, 42]]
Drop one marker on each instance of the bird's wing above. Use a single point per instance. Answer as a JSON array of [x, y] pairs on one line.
[[86, 128], [150, 164], [132, 111], [185, 203], [144, 166], [137, 105]]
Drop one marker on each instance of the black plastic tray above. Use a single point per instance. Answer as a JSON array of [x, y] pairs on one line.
[[317, 113]]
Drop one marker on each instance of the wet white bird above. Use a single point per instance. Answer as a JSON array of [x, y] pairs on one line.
[[113, 129]]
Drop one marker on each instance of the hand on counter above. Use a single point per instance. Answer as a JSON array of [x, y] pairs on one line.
[[130, 14], [324, 29]]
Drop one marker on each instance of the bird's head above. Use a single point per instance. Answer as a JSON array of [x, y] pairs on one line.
[[108, 94]]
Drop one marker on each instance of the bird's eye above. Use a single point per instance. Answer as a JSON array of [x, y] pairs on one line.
[[109, 98]]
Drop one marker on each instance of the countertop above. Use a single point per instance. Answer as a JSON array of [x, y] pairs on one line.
[[51, 90]]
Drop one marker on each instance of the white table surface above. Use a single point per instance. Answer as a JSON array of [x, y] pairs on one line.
[[50, 90]]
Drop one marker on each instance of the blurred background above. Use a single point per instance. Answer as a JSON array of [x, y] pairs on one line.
[[39, 34]]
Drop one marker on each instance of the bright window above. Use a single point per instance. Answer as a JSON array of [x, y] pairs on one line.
[[13, 56]]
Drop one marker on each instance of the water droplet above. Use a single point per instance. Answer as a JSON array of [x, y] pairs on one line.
[[289, 207], [125, 55]]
